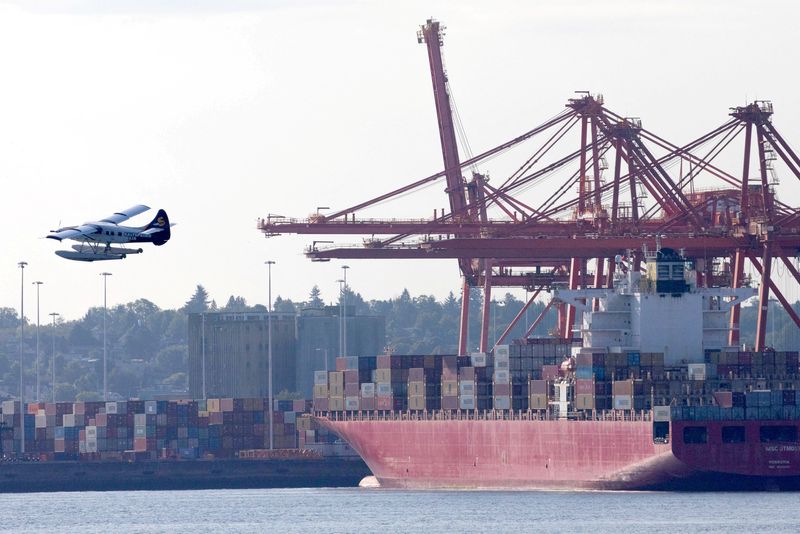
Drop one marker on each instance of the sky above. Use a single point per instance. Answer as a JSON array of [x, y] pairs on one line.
[[224, 112]]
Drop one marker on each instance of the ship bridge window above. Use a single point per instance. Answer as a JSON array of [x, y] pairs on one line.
[[695, 434], [733, 434], [784, 433]]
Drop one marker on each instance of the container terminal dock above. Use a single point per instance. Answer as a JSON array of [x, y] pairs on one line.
[[213, 443]]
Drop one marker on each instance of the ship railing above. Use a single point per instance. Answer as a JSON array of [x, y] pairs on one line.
[[485, 415]]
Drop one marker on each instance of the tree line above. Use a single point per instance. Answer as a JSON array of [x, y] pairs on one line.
[[147, 345]]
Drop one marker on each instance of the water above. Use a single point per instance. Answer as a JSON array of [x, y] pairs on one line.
[[390, 511]]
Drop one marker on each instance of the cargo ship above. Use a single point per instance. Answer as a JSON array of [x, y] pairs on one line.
[[651, 397]]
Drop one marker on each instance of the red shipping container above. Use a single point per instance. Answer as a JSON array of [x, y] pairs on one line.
[[537, 387], [450, 403], [550, 372], [368, 403], [351, 376], [502, 390], [341, 363], [383, 403], [584, 387], [383, 362], [416, 374], [723, 399]]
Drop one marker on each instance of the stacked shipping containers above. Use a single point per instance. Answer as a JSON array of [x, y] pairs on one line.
[[150, 429]]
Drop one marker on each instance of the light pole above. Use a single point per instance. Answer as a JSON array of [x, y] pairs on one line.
[[203, 351], [38, 396], [344, 313], [105, 352], [341, 316], [526, 310], [53, 362], [21, 265], [269, 264]]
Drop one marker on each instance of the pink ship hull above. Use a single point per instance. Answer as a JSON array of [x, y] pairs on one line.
[[553, 454]]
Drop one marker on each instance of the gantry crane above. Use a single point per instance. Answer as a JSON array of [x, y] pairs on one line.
[[650, 199]]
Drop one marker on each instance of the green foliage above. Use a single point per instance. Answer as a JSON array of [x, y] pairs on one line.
[[147, 346], [198, 303]]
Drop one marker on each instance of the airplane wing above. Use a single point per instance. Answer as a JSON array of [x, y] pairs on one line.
[[72, 233], [124, 215]]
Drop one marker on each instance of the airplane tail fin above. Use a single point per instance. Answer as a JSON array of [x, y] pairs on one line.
[[161, 223]]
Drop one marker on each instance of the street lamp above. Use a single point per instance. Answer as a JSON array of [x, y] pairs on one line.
[[105, 352], [37, 284], [344, 313], [203, 351], [53, 362], [21, 266], [269, 264], [341, 316]]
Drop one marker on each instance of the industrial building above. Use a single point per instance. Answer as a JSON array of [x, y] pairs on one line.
[[234, 347]]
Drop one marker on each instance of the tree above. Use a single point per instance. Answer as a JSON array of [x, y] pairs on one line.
[[314, 298], [198, 303], [284, 305], [235, 304], [10, 319]]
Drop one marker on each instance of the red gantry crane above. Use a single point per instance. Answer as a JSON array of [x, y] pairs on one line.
[[560, 212]]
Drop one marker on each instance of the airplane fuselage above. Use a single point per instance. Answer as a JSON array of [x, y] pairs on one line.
[[114, 233]]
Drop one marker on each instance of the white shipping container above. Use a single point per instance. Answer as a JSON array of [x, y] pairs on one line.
[[150, 407], [321, 378], [91, 431], [69, 419], [9, 407], [140, 419], [478, 359], [622, 402], [467, 388], [368, 389], [111, 407], [383, 389], [91, 445], [41, 421], [661, 413], [502, 403], [501, 352], [501, 377], [697, 371], [466, 403], [501, 364]]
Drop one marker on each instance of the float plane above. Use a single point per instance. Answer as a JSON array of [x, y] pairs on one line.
[[97, 240]]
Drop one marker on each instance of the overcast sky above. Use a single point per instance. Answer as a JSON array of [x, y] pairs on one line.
[[223, 112]]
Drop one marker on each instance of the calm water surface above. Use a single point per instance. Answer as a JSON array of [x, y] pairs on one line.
[[388, 511]]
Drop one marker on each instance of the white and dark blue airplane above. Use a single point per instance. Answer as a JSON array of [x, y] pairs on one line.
[[97, 239]]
